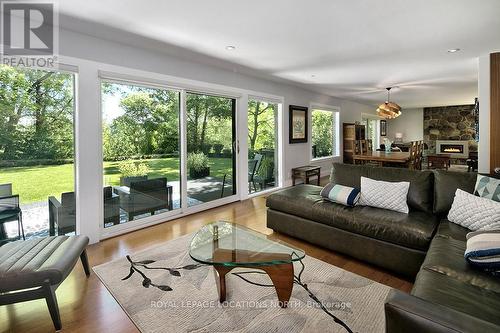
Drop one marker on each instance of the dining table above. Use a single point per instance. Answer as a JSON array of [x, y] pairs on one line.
[[383, 157]]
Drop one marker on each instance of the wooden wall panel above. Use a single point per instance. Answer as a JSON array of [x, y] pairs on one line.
[[495, 111]]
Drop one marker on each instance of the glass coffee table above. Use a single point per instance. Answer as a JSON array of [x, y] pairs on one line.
[[226, 245]]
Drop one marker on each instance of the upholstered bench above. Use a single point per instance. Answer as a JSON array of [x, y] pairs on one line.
[[34, 269]]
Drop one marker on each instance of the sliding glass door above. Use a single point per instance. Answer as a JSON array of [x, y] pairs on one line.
[[143, 150], [211, 147], [262, 145], [36, 152], [141, 144]]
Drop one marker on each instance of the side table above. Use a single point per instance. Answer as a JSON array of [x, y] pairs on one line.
[[306, 172]]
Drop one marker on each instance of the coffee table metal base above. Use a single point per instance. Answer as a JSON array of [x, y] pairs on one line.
[[281, 275]]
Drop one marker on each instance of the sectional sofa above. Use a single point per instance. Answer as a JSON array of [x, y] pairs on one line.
[[448, 295]]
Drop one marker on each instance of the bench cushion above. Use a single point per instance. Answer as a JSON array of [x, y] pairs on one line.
[[28, 264]]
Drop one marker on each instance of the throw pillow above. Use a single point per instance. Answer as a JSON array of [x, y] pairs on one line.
[[344, 195], [487, 187], [474, 212], [387, 195], [483, 250]]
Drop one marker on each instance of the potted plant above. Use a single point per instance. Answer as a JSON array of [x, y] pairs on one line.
[[132, 171], [197, 164]]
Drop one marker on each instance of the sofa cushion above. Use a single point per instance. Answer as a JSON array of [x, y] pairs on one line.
[[446, 184], [296, 200], [446, 256], [449, 229], [27, 264], [458, 295], [420, 194], [413, 230], [447, 279]]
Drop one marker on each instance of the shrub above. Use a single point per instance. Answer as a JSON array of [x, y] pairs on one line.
[[197, 161], [130, 168]]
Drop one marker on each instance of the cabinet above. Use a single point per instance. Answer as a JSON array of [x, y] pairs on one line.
[[351, 133]]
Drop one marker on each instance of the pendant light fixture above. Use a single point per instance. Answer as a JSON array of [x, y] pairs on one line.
[[389, 110]]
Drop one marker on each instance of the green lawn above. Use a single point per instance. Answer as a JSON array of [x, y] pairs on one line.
[[37, 183]]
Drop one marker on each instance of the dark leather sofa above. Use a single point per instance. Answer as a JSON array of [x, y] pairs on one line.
[[448, 295]]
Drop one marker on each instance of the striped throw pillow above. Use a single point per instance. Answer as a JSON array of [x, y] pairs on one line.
[[340, 194], [483, 249]]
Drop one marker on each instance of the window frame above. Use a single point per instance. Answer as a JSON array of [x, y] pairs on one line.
[[336, 131]]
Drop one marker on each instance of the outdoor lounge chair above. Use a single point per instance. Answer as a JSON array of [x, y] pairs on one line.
[[9, 211], [62, 215], [33, 269], [146, 196]]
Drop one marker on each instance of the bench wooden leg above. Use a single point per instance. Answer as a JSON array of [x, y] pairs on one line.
[[50, 298], [85, 262]]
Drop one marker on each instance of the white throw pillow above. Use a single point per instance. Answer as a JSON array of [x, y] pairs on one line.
[[474, 212], [387, 195]]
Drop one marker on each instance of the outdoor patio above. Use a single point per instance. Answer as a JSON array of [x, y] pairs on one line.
[[36, 215]]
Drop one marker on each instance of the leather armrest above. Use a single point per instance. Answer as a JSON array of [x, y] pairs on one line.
[[406, 313]]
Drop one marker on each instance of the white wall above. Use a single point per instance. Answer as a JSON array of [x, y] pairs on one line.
[[484, 114], [410, 123]]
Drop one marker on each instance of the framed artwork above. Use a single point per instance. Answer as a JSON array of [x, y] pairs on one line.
[[298, 124], [383, 128]]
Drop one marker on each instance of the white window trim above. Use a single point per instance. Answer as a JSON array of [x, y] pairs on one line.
[[336, 144]]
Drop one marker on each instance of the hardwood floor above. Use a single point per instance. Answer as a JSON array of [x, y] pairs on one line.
[[86, 305]]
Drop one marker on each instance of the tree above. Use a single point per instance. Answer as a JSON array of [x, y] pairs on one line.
[[322, 132], [261, 124], [36, 114], [202, 110], [149, 123]]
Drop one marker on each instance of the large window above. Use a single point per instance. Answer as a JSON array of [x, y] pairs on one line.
[[324, 133], [141, 151], [37, 151], [262, 145]]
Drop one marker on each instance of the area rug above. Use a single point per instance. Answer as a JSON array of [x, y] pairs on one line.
[[166, 291]]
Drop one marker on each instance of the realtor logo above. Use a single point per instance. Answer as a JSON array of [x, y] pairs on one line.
[[27, 28]]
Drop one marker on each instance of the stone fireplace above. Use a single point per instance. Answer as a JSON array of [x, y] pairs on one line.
[[455, 148], [453, 125]]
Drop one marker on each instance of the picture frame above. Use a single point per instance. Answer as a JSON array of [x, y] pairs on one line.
[[383, 128], [298, 124]]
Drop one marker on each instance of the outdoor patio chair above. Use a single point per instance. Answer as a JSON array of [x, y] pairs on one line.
[[10, 211], [253, 168], [62, 215], [111, 206], [146, 196], [33, 269]]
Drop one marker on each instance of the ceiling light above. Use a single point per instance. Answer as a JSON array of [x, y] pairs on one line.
[[453, 50], [230, 47], [389, 110]]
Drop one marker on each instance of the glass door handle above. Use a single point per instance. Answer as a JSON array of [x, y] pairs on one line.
[[236, 146]]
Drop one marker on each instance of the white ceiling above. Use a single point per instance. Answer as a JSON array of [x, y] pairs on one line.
[[354, 49]]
